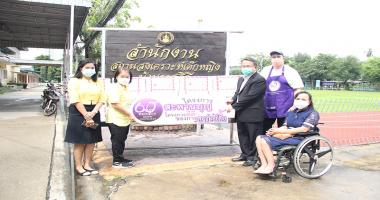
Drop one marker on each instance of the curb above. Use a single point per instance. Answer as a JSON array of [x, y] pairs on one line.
[[60, 185]]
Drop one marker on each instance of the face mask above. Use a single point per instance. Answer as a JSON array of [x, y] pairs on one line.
[[247, 71], [88, 72], [123, 81], [300, 104]]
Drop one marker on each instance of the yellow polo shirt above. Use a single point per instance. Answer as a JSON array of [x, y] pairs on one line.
[[86, 91], [118, 94]]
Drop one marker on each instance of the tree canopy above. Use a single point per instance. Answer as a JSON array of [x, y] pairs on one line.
[[328, 67], [104, 13], [371, 69], [47, 73]]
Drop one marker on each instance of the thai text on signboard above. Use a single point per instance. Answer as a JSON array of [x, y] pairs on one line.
[[153, 110], [154, 53]]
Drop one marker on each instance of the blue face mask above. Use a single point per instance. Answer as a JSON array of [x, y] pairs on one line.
[[88, 72], [247, 71]]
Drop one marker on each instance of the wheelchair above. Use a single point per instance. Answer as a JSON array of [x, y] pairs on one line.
[[311, 158]]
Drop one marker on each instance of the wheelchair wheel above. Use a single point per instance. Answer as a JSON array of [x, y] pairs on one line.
[[313, 157]]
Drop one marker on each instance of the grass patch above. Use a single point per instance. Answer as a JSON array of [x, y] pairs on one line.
[[5, 89], [345, 101]]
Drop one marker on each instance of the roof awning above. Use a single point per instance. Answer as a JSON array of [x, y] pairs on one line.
[[39, 23], [4, 60], [54, 63]]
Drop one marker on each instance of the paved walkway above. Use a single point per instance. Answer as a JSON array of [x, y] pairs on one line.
[[208, 173], [355, 175], [26, 138]]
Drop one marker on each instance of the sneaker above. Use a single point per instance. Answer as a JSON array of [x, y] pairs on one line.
[[127, 160], [122, 164]]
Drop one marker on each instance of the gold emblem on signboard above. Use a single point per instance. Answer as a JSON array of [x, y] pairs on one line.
[[165, 38]]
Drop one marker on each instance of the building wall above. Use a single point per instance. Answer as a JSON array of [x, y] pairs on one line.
[[3, 73], [8, 71], [12, 73]]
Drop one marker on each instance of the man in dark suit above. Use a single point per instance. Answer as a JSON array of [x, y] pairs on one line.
[[248, 102]]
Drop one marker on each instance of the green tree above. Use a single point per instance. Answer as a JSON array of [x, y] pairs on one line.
[[298, 60], [262, 59], [371, 69], [320, 66], [235, 71], [302, 63], [42, 70], [109, 13], [47, 73], [345, 69]]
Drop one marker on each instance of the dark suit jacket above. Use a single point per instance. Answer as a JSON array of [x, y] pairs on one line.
[[250, 107]]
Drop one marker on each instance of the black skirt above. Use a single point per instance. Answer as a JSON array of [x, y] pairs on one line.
[[78, 134]]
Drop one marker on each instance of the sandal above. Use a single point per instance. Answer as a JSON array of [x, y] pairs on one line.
[[265, 171], [85, 173], [92, 171]]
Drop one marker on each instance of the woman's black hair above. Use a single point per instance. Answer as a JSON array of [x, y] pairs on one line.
[[311, 105], [118, 71], [82, 63]]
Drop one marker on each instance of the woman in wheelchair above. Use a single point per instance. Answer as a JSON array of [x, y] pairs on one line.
[[298, 122]]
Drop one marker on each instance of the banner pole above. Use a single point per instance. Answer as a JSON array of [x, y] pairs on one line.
[[71, 45], [103, 58], [227, 54], [198, 128]]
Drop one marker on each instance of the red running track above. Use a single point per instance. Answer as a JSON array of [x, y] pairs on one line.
[[351, 128]]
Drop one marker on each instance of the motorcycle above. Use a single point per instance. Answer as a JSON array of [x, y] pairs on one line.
[[50, 98]]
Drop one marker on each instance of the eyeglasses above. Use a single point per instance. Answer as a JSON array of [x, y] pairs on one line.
[[276, 56]]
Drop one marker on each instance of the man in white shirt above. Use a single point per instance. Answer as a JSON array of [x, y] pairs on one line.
[[282, 82]]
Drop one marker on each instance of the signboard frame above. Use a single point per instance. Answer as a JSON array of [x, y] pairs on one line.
[[227, 62]]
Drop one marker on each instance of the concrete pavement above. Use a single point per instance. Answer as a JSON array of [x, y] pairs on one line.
[[26, 138], [208, 173], [230, 181], [355, 175]]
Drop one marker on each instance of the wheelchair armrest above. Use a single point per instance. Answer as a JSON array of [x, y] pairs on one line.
[[310, 133]]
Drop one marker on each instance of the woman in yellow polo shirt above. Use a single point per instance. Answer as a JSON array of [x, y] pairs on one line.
[[86, 96], [119, 117]]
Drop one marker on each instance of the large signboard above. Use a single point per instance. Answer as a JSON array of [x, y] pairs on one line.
[[154, 53], [152, 110]]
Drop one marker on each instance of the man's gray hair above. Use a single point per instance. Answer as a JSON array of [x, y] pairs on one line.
[[251, 60]]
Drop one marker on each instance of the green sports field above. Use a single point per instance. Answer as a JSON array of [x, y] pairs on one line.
[[345, 101]]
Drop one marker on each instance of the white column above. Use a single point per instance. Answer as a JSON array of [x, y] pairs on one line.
[[228, 54], [103, 62], [62, 71], [71, 45]]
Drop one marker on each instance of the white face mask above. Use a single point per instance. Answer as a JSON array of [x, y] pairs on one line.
[[88, 72], [123, 81], [301, 104]]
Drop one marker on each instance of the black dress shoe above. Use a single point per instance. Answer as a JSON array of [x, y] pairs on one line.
[[249, 163], [238, 159]]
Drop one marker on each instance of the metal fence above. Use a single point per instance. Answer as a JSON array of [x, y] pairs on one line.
[[349, 121], [362, 86], [348, 104], [349, 117]]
